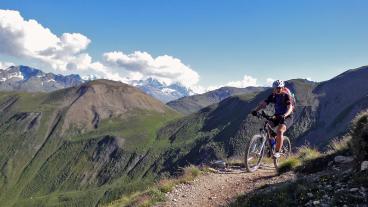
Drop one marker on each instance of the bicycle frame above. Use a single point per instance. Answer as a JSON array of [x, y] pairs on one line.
[[266, 132]]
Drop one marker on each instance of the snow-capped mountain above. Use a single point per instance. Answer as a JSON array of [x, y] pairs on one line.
[[162, 91], [90, 77], [24, 78]]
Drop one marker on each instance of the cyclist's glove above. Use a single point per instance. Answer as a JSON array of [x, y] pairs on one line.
[[254, 113]]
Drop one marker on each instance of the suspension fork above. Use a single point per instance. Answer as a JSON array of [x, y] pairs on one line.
[[263, 134]]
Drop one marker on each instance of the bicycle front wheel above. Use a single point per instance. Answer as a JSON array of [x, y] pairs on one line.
[[254, 153]]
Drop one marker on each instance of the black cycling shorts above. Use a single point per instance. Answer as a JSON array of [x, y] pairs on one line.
[[288, 122]]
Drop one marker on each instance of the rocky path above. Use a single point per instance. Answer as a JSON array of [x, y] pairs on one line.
[[220, 188]]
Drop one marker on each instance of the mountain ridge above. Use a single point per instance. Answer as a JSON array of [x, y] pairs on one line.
[[28, 79], [191, 104], [221, 130]]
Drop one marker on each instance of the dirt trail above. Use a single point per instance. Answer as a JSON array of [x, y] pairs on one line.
[[219, 189]]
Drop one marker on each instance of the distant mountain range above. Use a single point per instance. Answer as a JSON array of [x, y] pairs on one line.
[[162, 91], [191, 104], [24, 78]]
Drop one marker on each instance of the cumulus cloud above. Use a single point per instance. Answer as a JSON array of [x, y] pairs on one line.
[[269, 81], [29, 39], [245, 82], [164, 68]]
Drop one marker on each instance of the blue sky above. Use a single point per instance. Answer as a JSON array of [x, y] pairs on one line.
[[221, 40]]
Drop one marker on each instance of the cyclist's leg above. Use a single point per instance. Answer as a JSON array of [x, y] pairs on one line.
[[281, 128]]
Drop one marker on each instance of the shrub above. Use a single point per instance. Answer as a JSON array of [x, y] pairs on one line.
[[189, 173], [166, 185], [359, 133]]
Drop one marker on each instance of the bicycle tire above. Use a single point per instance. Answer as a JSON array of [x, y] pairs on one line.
[[256, 142], [285, 152]]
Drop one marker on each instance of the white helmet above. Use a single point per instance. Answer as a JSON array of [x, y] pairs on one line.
[[278, 83]]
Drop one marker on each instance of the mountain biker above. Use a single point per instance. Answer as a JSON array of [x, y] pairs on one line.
[[283, 117]]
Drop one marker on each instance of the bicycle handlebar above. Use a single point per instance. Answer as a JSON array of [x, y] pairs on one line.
[[264, 115]]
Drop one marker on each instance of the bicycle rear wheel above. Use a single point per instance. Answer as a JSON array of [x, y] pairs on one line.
[[284, 152], [254, 153]]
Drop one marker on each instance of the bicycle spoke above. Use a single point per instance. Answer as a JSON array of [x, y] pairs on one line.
[[254, 153]]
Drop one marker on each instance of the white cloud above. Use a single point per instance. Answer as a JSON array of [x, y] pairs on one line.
[[269, 81], [247, 81], [198, 89], [165, 68], [29, 39], [4, 65], [211, 88]]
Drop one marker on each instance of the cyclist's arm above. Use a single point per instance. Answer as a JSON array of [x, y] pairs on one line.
[[289, 106], [262, 105], [289, 110]]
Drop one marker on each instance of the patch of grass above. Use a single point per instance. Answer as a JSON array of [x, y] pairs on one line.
[[152, 195], [166, 185], [289, 164], [189, 174], [306, 153], [359, 133], [303, 156], [145, 198], [339, 145]]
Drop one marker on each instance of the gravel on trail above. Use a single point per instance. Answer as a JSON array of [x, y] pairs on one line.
[[222, 187]]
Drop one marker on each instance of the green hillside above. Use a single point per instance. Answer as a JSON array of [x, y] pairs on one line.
[[45, 162], [213, 132]]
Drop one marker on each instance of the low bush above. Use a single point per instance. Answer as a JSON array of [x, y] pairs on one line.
[[359, 134], [302, 157]]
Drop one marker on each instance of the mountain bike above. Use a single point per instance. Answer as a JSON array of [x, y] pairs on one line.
[[265, 143]]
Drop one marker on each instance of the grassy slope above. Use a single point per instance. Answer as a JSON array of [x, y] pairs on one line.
[[208, 134], [40, 168]]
